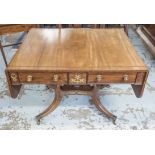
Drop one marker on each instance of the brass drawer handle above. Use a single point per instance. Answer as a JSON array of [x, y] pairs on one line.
[[14, 77], [126, 77], [77, 79], [99, 78], [55, 77], [29, 78]]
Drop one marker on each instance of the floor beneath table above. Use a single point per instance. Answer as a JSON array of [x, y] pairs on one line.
[[78, 112]]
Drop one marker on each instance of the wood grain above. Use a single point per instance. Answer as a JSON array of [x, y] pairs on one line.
[[13, 28], [77, 50]]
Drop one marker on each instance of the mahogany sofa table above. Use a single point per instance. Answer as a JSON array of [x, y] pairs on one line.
[[76, 61]]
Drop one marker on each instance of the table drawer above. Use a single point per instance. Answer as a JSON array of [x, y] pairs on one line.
[[45, 78], [77, 78], [112, 78]]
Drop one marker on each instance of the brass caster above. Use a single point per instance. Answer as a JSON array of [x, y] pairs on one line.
[[38, 120], [47, 87], [113, 117]]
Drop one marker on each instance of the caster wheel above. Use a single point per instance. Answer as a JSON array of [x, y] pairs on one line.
[[47, 87], [38, 121], [114, 119]]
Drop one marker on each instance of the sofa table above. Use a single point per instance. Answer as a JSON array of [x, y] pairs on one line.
[[76, 61]]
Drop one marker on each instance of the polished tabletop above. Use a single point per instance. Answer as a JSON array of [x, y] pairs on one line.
[[76, 49]]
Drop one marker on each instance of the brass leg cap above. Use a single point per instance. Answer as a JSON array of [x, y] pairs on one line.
[[38, 120], [113, 117]]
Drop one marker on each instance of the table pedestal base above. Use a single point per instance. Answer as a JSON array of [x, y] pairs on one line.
[[92, 91]]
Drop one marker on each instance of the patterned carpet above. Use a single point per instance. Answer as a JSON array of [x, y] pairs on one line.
[[78, 112]]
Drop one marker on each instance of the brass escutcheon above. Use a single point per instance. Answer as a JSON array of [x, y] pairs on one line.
[[99, 78], [77, 79], [55, 77], [29, 78], [14, 77], [125, 77]]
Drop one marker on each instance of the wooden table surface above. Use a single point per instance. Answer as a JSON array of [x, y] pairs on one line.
[[76, 50]]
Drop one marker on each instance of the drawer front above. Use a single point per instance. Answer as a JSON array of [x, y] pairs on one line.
[[77, 78], [44, 78], [112, 78]]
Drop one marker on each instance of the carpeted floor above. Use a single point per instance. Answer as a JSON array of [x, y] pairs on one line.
[[78, 112]]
